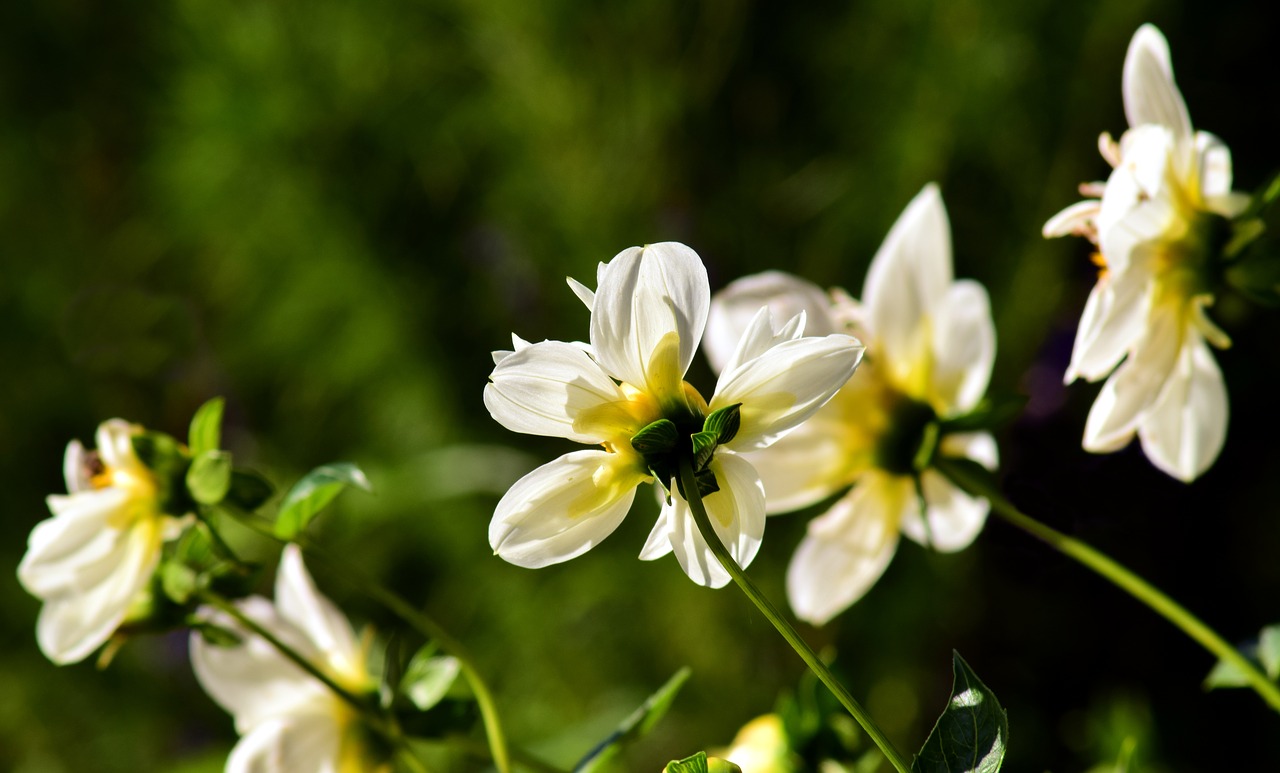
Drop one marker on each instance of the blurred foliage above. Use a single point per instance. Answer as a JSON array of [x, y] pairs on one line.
[[331, 212]]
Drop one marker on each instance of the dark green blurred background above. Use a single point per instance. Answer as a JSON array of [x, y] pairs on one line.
[[330, 212]]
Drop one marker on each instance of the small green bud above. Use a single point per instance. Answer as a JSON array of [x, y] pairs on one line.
[[209, 477], [658, 438], [704, 447]]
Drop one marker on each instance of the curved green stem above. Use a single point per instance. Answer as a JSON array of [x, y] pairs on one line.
[[1117, 575], [789, 633]]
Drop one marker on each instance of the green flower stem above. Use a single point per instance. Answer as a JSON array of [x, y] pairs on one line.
[[1117, 575], [789, 633]]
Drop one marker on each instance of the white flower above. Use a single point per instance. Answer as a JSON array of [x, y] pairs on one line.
[[93, 559], [289, 720], [930, 348], [647, 318], [1147, 314]]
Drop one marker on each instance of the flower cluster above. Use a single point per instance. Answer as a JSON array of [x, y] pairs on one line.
[[625, 392], [1158, 224], [930, 348]]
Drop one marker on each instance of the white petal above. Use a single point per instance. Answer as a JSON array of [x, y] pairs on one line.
[[307, 742], [1150, 95], [115, 444], [848, 548], [542, 388], [517, 343], [808, 464], [302, 605], [252, 680], [584, 293], [1078, 219], [1136, 384], [564, 508], [645, 294], [1111, 323], [658, 543], [1185, 430], [910, 273], [78, 536], [733, 308], [1215, 165], [785, 386], [73, 468], [955, 518], [964, 345], [736, 512], [761, 336], [74, 624]]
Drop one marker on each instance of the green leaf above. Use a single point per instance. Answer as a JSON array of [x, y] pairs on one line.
[[991, 413], [206, 428], [179, 581], [311, 494], [724, 423], [160, 453], [970, 735], [209, 477], [1225, 674], [248, 490], [658, 438], [637, 725], [428, 677], [704, 447]]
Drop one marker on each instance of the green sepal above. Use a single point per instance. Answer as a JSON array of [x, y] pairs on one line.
[[724, 422], [929, 438], [990, 414], [215, 634], [635, 726], [969, 475], [707, 484], [168, 463], [205, 433], [428, 677], [701, 763], [248, 490], [660, 437], [209, 477], [971, 734], [1256, 274], [704, 447], [311, 494]]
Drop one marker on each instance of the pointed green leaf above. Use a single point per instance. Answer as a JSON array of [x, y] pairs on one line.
[[1225, 674], [970, 735], [704, 446], [724, 423], [178, 581], [635, 726], [311, 494], [206, 428], [695, 764], [658, 438], [209, 477], [428, 677]]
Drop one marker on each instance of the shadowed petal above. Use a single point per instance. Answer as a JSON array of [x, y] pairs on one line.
[[734, 307], [736, 512], [964, 345], [1134, 386], [1185, 430]]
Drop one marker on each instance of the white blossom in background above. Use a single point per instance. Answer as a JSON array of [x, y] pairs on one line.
[[647, 318], [288, 720], [930, 348], [1145, 327], [92, 561]]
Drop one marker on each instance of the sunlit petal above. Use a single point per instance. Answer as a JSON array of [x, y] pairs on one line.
[[737, 515], [1186, 428], [964, 345], [1150, 95], [541, 389], [734, 307]]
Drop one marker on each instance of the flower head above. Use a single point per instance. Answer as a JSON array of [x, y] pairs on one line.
[[91, 562], [930, 348], [288, 719], [1156, 223], [625, 392]]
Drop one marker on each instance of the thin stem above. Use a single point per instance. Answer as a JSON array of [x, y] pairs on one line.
[[1117, 575], [789, 633], [411, 760]]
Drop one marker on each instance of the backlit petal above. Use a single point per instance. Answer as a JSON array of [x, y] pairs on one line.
[[964, 345], [564, 508], [1150, 95], [848, 548], [302, 605], [1185, 430], [910, 273], [955, 518], [542, 388], [734, 307], [1112, 322], [806, 465], [1133, 388], [736, 512], [785, 386]]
